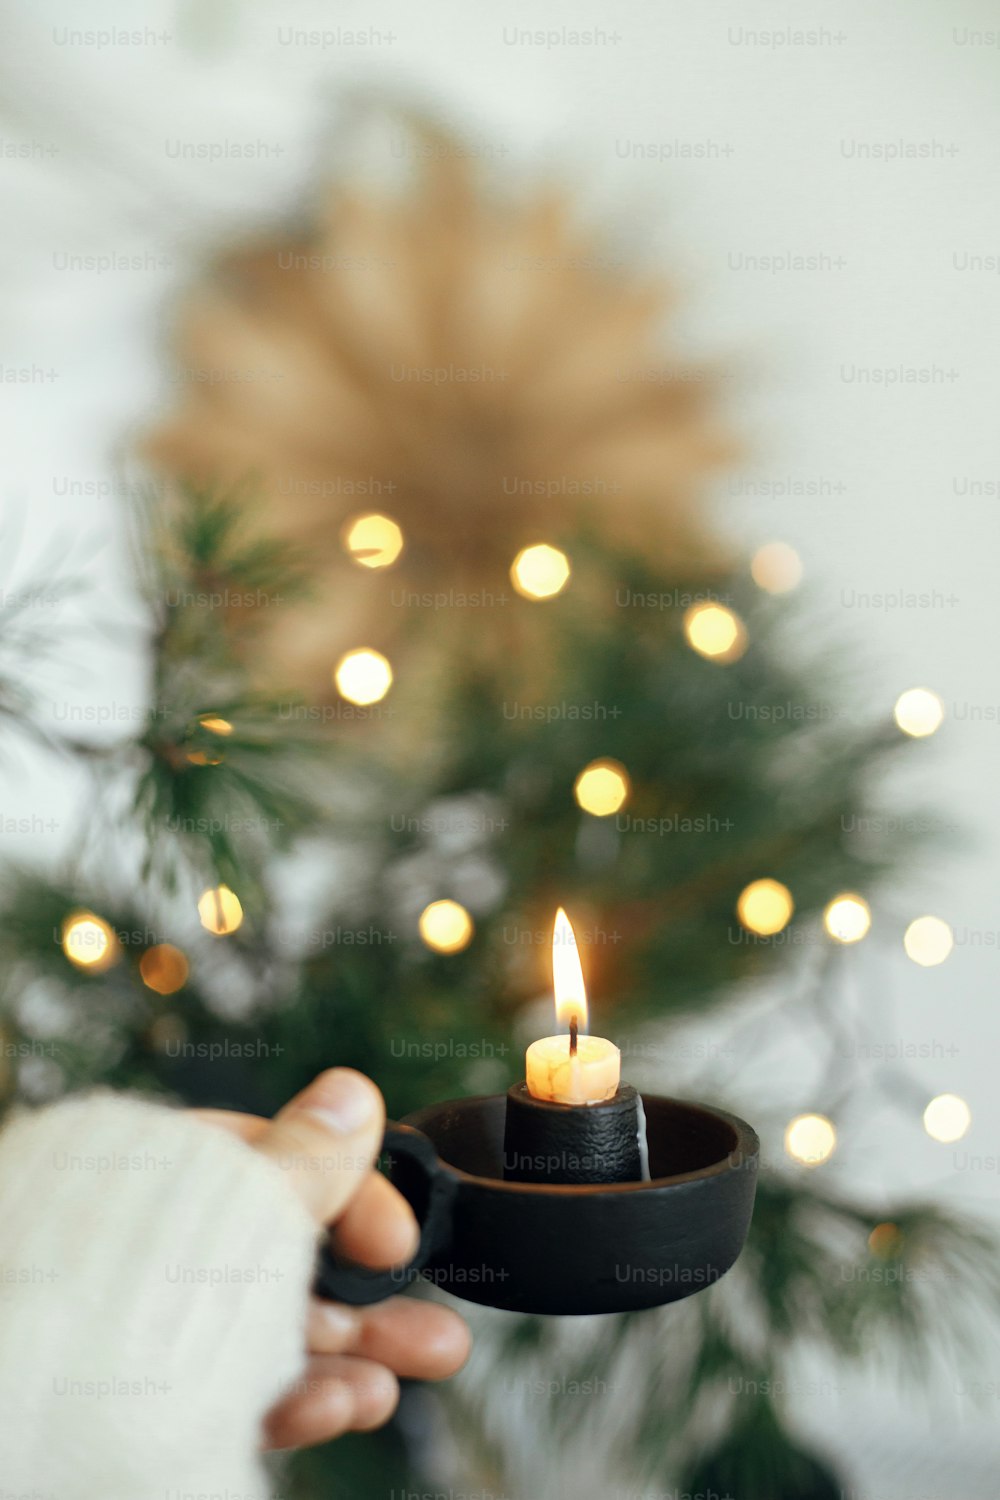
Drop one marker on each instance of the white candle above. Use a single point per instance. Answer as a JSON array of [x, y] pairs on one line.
[[574, 1068], [587, 1076]]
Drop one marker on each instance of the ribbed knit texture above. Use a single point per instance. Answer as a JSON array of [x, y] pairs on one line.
[[154, 1278]]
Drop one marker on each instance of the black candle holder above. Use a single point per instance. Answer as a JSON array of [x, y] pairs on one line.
[[545, 1247], [571, 1143]]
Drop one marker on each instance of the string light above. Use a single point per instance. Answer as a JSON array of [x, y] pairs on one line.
[[446, 926], [918, 712], [363, 676], [947, 1118], [219, 910], [928, 941], [847, 918], [715, 632], [886, 1241], [602, 787], [374, 541], [164, 968], [765, 907], [810, 1139], [776, 567], [89, 942], [214, 724], [540, 572]]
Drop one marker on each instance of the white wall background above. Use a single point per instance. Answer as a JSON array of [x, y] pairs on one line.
[[765, 148]]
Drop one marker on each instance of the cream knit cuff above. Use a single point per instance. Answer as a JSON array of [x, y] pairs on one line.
[[154, 1279]]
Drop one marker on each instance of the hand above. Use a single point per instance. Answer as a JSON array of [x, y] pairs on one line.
[[327, 1140]]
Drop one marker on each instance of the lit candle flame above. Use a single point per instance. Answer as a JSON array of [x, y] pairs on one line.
[[567, 974]]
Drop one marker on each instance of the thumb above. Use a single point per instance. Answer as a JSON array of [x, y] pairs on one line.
[[328, 1140]]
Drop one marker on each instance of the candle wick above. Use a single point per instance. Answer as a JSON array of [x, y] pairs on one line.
[[573, 1027]]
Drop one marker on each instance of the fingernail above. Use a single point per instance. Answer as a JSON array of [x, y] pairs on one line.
[[342, 1100]]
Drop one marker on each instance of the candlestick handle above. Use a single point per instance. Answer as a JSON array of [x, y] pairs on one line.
[[416, 1171]]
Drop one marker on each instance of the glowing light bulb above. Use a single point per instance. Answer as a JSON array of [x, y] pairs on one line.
[[374, 541], [765, 907], [89, 942], [928, 941], [847, 918], [776, 567], [363, 676], [886, 1241], [164, 968], [219, 910], [715, 632], [810, 1139], [918, 712], [947, 1118], [446, 926], [540, 572], [602, 787]]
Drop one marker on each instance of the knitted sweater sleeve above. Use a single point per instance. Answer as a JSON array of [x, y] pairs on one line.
[[154, 1279]]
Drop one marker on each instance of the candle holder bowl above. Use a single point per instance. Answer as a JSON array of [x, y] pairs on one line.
[[551, 1248]]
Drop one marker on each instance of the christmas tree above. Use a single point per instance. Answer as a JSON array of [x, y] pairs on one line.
[[439, 639]]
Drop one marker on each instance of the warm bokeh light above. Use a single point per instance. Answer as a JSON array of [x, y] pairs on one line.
[[776, 567], [810, 1139], [765, 907], [363, 676], [446, 926], [214, 724], [567, 974], [602, 787], [886, 1241], [164, 969], [220, 910], [947, 1118], [715, 632], [928, 941], [847, 918], [89, 942], [918, 712], [540, 572], [204, 757], [374, 541]]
